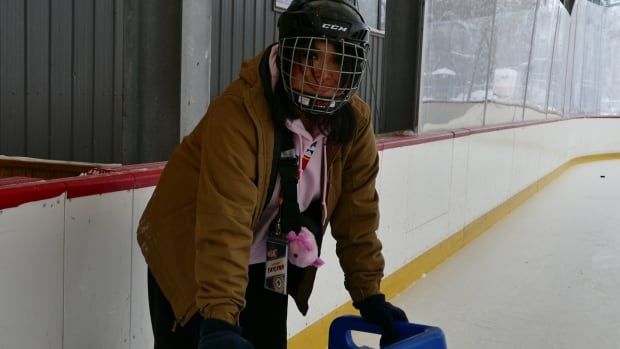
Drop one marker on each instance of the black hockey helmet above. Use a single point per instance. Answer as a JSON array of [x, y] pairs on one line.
[[326, 43]]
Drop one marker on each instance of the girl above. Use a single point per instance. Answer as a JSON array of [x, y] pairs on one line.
[[218, 228]]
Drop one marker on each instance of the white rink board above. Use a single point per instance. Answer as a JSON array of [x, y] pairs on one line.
[[489, 171], [427, 192], [98, 271], [31, 274], [141, 332]]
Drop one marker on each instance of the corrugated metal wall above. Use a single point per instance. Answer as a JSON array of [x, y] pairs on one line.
[[242, 28], [61, 79], [62, 66]]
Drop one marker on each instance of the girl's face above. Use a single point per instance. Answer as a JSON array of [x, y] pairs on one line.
[[317, 71]]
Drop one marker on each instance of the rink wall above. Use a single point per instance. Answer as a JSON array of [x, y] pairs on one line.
[[72, 276]]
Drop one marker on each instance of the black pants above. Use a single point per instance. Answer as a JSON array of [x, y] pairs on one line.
[[263, 321]]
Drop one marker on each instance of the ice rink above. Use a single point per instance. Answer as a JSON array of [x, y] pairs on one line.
[[545, 276]]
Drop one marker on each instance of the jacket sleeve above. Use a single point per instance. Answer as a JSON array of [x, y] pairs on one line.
[[226, 200], [356, 216]]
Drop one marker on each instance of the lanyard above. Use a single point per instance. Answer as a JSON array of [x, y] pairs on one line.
[[290, 169], [277, 245]]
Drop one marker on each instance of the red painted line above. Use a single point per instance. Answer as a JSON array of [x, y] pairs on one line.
[[15, 195], [389, 142], [147, 178], [19, 190], [603, 117], [461, 132], [97, 184]]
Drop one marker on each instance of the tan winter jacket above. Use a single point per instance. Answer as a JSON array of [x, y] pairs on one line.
[[197, 229]]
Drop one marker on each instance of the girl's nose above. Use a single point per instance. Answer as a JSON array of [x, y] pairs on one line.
[[326, 71]]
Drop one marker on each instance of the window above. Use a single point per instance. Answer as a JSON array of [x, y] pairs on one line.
[[282, 4], [373, 12]]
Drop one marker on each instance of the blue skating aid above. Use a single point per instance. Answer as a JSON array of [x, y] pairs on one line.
[[413, 336]]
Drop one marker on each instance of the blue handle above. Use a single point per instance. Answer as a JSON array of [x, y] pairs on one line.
[[412, 336]]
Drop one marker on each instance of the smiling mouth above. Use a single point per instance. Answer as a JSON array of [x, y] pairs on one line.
[[316, 102], [326, 91]]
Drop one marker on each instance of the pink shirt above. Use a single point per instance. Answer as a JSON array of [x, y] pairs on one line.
[[312, 145], [308, 186]]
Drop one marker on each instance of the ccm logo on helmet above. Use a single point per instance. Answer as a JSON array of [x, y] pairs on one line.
[[334, 27]]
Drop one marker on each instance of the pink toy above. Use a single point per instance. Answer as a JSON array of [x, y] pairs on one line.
[[303, 250]]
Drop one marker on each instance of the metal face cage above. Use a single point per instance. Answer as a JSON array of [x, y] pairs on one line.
[[320, 75]]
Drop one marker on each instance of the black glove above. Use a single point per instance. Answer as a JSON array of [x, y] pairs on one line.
[[376, 310], [217, 334]]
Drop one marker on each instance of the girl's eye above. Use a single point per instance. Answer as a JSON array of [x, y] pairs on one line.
[[308, 58]]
